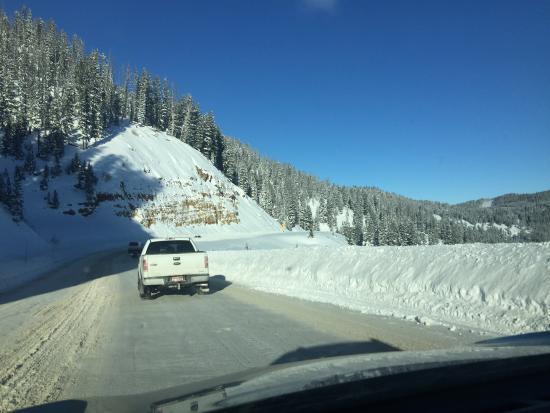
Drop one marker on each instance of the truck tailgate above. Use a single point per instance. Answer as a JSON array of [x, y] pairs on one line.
[[164, 265]]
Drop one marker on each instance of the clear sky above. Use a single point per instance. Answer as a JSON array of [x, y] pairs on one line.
[[442, 100]]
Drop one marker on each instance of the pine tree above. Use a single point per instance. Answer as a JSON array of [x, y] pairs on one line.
[[7, 188], [347, 232], [141, 97], [57, 143], [74, 166], [89, 184], [55, 200], [357, 223], [367, 230], [382, 231], [306, 217], [153, 103], [30, 161], [243, 181], [81, 176], [44, 180], [191, 126], [16, 199], [266, 197], [445, 231], [7, 140], [217, 154], [56, 170], [126, 94], [91, 119], [331, 214], [19, 132], [206, 134], [310, 222], [322, 211]]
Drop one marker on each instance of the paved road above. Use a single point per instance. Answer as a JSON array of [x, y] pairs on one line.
[[83, 331]]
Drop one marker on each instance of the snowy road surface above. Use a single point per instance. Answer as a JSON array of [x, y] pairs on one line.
[[83, 331]]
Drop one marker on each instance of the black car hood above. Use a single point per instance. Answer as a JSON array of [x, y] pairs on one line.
[[283, 379]]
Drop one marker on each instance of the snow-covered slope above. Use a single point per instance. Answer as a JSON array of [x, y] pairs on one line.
[[149, 184], [263, 241], [170, 188], [18, 239], [501, 288]]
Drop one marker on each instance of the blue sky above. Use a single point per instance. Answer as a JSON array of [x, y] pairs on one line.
[[441, 100]]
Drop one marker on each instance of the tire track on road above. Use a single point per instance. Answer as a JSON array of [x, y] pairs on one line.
[[39, 359]]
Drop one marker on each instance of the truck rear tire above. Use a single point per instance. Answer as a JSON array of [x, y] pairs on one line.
[[147, 292], [140, 289], [144, 291]]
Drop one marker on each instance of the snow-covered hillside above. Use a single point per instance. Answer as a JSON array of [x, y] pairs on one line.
[[509, 231], [156, 182], [169, 187], [18, 239], [149, 184], [502, 288]]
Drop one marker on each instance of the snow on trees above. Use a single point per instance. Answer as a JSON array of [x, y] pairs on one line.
[[52, 89]]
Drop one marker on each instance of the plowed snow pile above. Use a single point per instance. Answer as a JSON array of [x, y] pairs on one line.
[[502, 288]]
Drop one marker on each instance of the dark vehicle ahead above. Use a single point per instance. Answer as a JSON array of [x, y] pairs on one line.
[[134, 248]]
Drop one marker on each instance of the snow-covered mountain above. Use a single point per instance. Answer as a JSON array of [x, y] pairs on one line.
[[148, 184]]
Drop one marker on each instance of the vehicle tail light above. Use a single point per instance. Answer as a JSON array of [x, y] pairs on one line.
[[145, 267], [206, 261]]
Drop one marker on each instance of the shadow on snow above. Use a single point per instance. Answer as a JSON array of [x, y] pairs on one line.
[[103, 230]]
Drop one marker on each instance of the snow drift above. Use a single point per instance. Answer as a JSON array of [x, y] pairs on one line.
[[502, 288]]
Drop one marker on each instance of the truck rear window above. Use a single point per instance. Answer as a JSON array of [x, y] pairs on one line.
[[169, 247]]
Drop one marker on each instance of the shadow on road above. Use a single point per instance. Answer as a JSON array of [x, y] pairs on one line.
[[334, 350], [76, 272], [121, 190], [73, 406], [218, 283]]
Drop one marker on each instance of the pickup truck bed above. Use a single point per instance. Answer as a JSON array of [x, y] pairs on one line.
[[173, 263]]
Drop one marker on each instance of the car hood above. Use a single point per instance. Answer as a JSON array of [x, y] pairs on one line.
[[276, 380]]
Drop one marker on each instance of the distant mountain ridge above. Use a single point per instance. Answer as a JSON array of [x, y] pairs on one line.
[[512, 200], [371, 216]]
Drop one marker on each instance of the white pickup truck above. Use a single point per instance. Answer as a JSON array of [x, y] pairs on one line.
[[172, 263]]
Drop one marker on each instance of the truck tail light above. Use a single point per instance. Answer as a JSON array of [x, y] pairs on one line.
[[206, 261], [145, 266]]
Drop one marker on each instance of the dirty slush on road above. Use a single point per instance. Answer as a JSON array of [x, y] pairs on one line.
[[38, 358]]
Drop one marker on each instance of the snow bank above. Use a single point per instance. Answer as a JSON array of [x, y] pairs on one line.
[[501, 288], [266, 241]]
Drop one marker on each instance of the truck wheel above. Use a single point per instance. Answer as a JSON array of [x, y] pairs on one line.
[[140, 289], [147, 292], [144, 290]]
